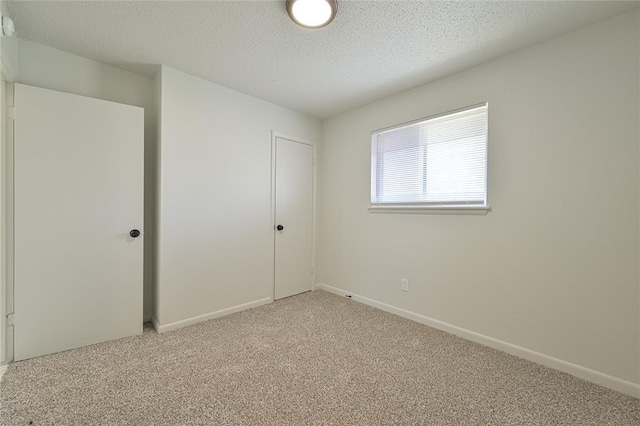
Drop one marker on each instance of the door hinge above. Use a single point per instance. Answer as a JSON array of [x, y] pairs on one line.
[[11, 113], [10, 321]]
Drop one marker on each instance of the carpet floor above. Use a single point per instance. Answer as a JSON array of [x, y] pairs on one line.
[[316, 358]]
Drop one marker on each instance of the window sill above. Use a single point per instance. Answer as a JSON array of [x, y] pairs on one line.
[[456, 210]]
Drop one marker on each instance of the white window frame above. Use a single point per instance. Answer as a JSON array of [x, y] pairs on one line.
[[414, 207]]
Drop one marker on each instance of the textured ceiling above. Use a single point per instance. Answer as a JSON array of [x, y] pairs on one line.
[[371, 50]]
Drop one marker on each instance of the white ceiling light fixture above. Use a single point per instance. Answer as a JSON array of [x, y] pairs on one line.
[[312, 13]]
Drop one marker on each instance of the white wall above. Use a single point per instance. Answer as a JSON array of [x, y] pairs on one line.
[[215, 235], [554, 267], [50, 68]]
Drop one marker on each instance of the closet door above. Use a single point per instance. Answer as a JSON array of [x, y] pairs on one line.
[[294, 217], [78, 221]]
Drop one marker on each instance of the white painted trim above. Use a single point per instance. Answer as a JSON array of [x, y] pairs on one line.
[[3, 223], [211, 315], [275, 134], [611, 382], [272, 218], [3, 369], [314, 207], [8, 285], [459, 210]]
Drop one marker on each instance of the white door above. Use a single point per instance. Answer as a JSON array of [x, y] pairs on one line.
[[293, 217], [78, 198]]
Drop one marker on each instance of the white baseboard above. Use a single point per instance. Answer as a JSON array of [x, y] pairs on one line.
[[3, 369], [611, 382], [211, 315]]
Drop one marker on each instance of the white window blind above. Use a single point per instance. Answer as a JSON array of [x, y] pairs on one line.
[[439, 161]]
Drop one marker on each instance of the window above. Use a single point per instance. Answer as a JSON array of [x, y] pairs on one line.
[[439, 162]]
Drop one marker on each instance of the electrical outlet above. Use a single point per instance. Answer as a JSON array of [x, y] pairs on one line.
[[404, 283]]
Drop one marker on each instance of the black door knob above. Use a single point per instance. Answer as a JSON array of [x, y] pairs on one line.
[[134, 233], [279, 227]]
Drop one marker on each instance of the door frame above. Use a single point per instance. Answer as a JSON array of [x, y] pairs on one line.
[[314, 209], [6, 216], [8, 73]]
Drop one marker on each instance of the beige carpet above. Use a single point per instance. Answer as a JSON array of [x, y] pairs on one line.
[[311, 359]]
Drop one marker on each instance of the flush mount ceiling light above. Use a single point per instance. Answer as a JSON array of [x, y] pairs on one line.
[[312, 13]]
